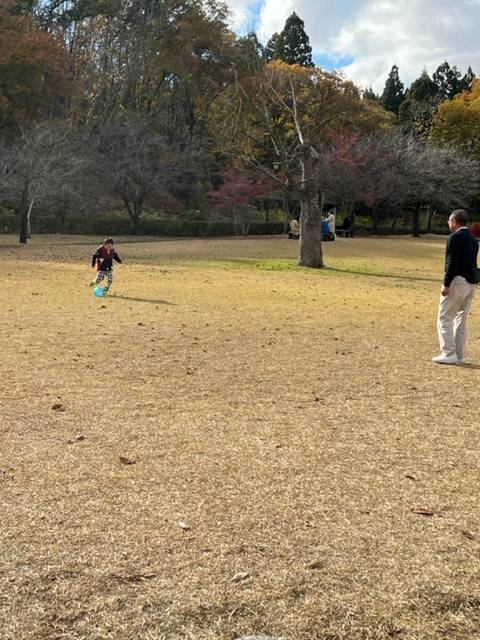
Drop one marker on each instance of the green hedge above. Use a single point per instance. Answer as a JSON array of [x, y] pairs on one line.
[[8, 221], [117, 225], [121, 225]]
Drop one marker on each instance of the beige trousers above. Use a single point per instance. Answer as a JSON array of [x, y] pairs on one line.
[[452, 317]]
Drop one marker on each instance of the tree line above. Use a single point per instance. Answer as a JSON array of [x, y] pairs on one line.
[[158, 105]]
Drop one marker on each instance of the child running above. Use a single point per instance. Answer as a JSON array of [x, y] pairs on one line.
[[103, 259]]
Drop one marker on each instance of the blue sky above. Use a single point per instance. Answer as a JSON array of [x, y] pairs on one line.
[[364, 38]]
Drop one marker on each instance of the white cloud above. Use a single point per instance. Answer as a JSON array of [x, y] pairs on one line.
[[414, 34], [243, 14]]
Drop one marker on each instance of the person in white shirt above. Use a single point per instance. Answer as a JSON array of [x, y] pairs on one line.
[[331, 222]]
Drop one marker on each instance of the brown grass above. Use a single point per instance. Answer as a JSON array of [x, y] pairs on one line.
[[283, 423]]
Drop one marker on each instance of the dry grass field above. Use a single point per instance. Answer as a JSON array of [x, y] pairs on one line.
[[284, 428]]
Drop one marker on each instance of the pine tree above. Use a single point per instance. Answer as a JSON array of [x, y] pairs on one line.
[[393, 94], [271, 47], [293, 44]]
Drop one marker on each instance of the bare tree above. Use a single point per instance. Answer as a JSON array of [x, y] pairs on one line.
[[136, 162], [394, 170], [34, 168]]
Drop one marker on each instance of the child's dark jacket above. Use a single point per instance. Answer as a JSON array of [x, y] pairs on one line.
[[104, 258]]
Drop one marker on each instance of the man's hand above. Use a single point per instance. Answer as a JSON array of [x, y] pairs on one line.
[[445, 291]]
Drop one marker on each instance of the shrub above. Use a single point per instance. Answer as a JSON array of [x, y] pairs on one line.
[[8, 221]]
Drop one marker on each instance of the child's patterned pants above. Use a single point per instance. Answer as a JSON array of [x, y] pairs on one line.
[[104, 274]]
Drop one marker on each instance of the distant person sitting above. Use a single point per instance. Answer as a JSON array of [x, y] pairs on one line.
[[294, 229]]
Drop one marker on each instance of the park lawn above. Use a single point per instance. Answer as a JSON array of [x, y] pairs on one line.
[[299, 466]]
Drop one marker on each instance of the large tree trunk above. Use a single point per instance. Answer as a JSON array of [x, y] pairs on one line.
[[311, 254], [23, 217], [310, 212], [395, 220], [134, 211]]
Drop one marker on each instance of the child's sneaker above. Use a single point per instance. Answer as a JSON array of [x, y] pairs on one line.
[[105, 293], [91, 283]]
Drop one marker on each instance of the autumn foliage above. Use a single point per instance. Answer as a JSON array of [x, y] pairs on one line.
[[33, 70], [458, 121], [239, 188]]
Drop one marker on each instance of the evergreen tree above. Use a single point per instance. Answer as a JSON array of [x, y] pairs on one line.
[[293, 44], [369, 94], [393, 94], [467, 80], [448, 80], [251, 52], [423, 88], [271, 47], [416, 111]]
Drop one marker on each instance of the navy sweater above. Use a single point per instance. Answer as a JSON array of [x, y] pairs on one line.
[[461, 257]]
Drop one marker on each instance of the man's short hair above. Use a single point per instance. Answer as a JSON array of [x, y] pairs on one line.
[[460, 215]]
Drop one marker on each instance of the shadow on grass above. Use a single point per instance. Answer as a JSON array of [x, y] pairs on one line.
[[375, 274], [133, 299], [287, 264]]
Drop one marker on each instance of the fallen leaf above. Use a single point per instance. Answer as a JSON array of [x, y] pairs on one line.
[[240, 577], [125, 460], [468, 535], [409, 476], [184, 526], [421, 511], [58, 406]]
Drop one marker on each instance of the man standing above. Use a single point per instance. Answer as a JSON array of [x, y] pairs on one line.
[[459, 286]]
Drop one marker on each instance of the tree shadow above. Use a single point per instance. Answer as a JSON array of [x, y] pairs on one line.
[[373, 274], [134, 299]]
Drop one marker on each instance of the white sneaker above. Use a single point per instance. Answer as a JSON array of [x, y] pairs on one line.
[[441, 359]]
